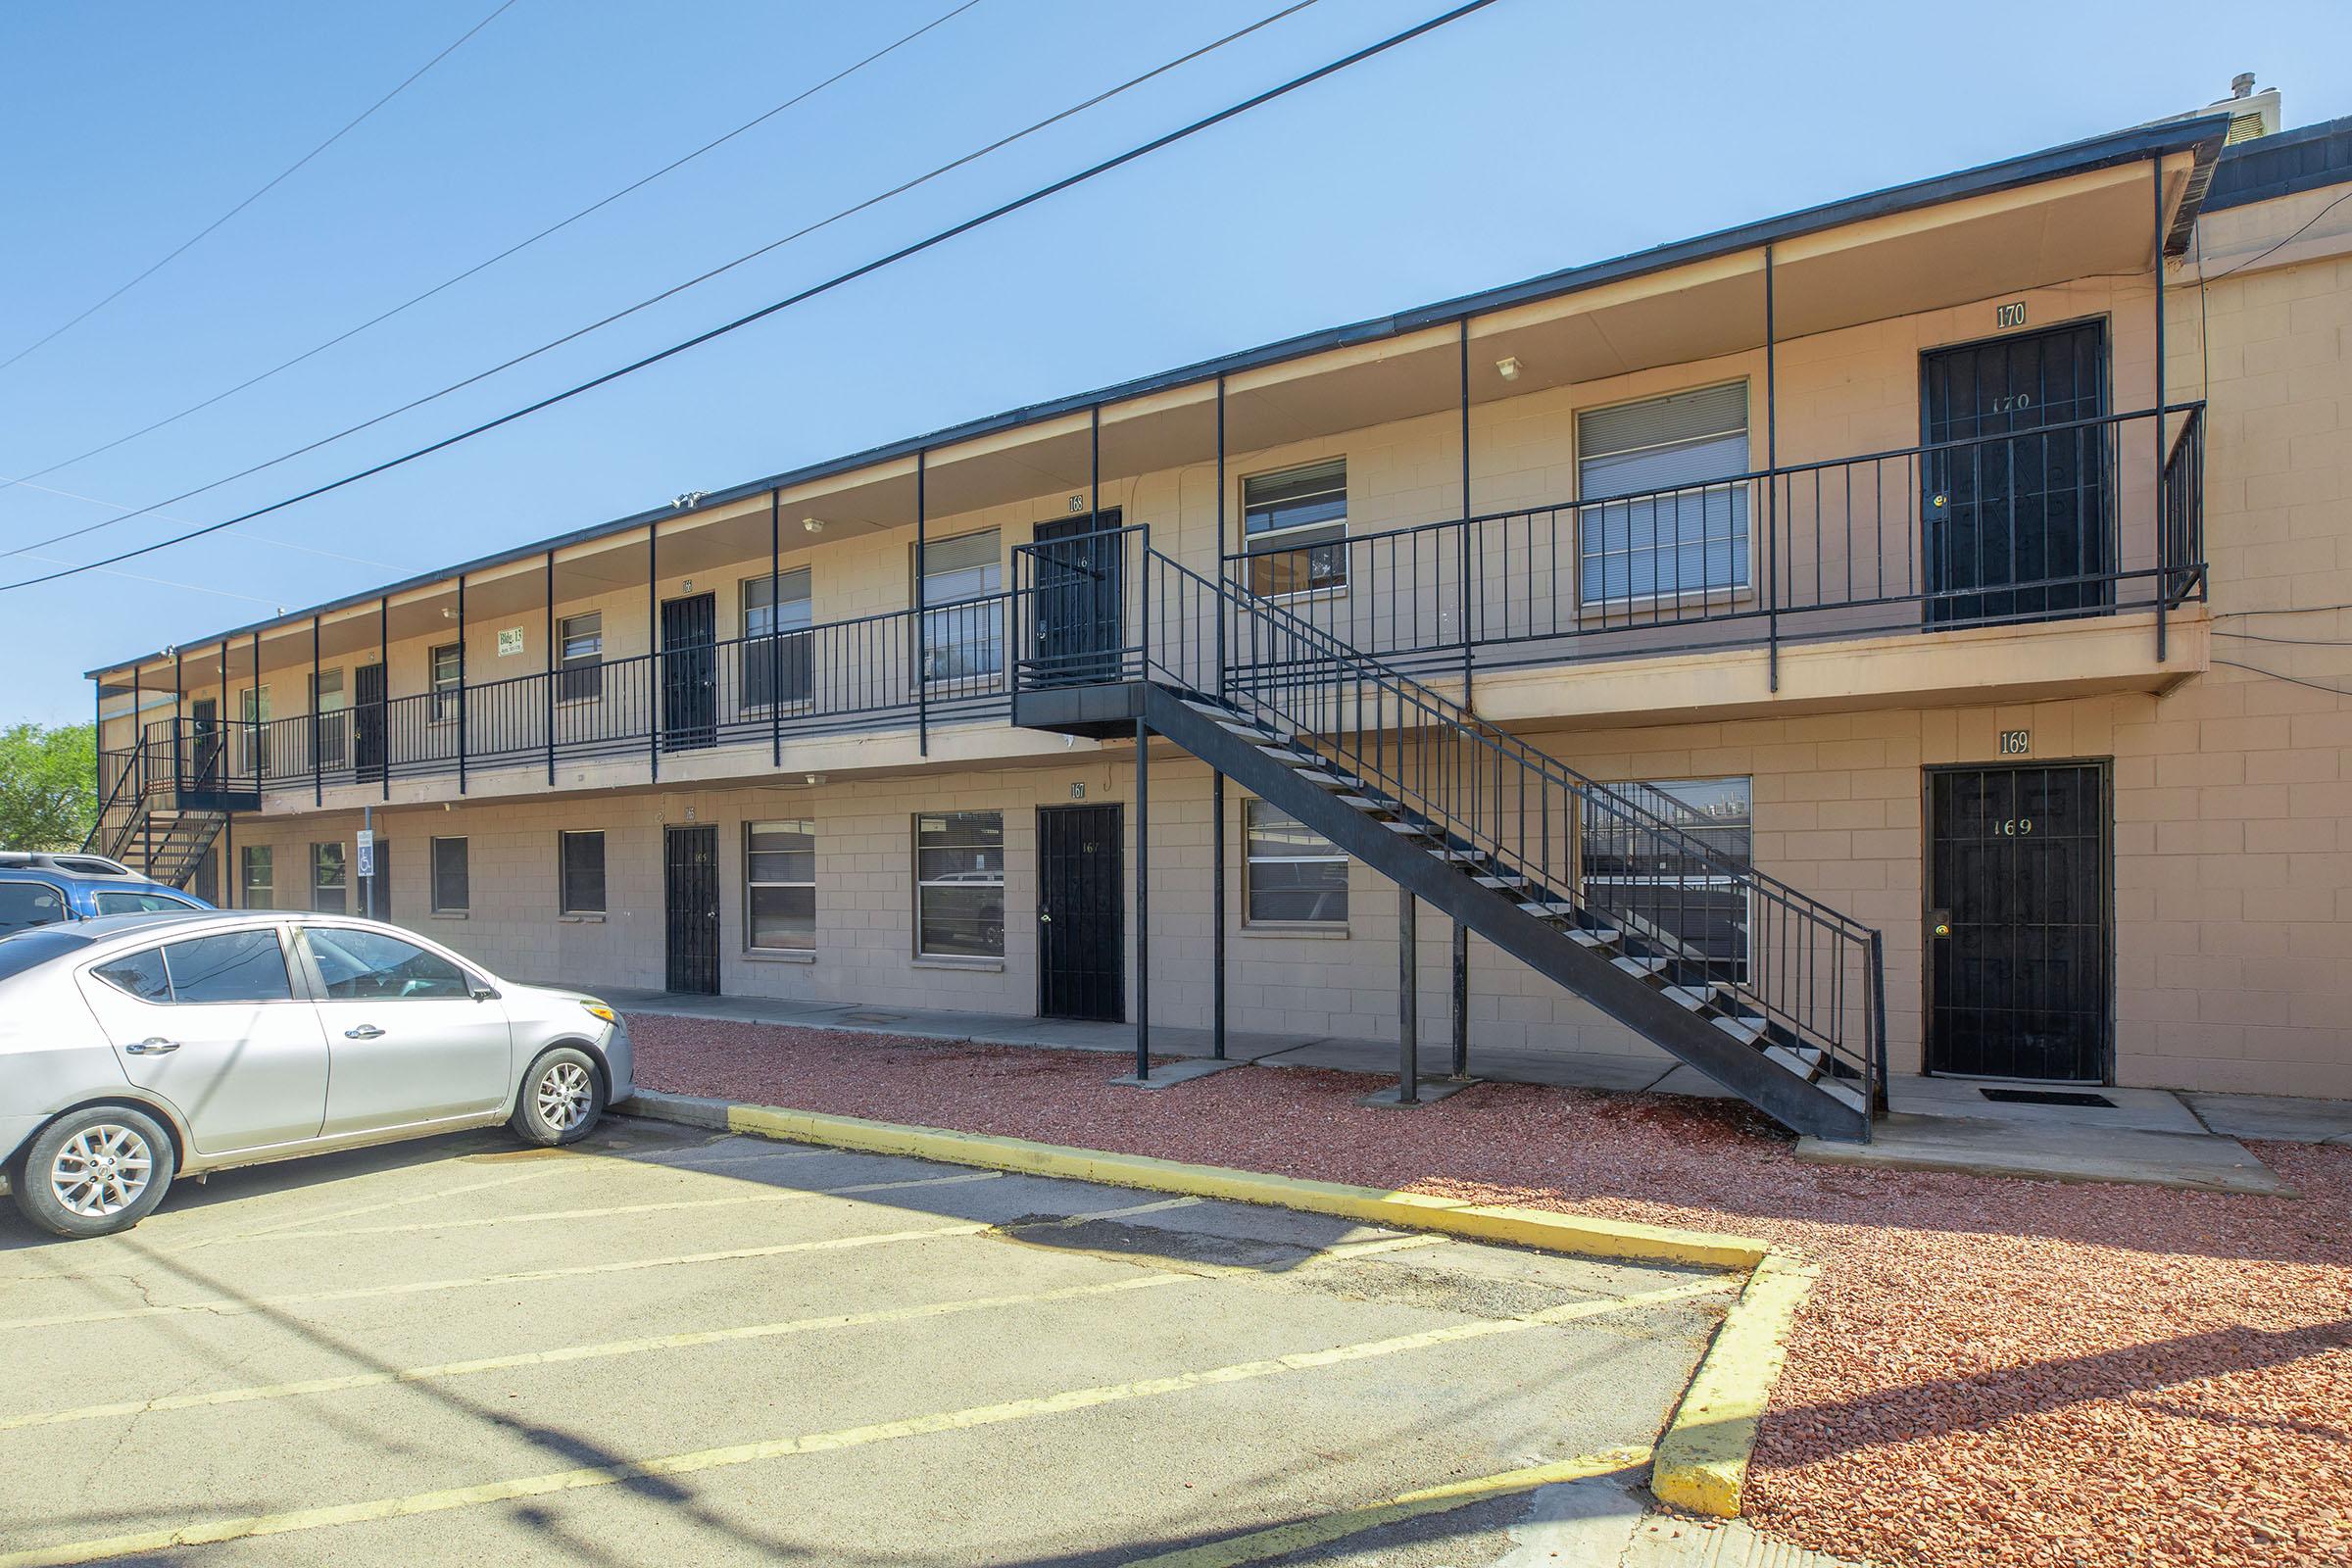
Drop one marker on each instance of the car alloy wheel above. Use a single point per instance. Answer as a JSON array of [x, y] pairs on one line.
[[101, 1170], [566, 1095]]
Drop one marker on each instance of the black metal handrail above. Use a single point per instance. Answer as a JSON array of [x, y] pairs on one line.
[[1799, 963], [946, 663], [1894, 541]]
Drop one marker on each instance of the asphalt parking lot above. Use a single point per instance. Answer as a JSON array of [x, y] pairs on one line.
[[675, 1346]]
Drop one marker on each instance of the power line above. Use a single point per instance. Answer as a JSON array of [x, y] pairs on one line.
[[521, 245], [704, 277], [279, 179], [2289, 240], [253, 538], [2291, 680]]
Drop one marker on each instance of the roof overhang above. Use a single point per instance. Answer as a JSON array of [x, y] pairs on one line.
[[2081, 210]]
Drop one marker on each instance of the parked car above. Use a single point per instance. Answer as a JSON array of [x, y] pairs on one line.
[[137, 1048], [46, 889]]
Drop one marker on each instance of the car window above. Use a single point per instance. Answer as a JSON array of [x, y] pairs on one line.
[[141, 974], [364, 965], [234, 966], [25, 904], [138, 902]]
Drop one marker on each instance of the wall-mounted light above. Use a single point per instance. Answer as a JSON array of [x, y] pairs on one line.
[[449, 612], [690, 498], [1507, 367], [812, 778], [814, 525]]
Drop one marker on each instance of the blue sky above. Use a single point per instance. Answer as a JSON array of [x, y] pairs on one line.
[[1535, 135]]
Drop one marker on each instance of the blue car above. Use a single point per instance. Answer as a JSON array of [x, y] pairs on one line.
[[50, 889]]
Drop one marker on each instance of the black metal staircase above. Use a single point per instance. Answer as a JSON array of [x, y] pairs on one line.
[[1789, 1013], [167, 800]]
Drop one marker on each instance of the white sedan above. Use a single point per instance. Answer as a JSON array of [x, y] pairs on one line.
[[135, 1048]]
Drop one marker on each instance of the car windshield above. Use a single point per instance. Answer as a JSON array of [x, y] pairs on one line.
[[27, 950], [120, 902]]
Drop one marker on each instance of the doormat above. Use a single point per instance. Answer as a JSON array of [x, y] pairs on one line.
[[2047, 1097]]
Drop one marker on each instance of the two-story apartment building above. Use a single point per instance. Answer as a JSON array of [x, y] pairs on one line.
[[1901, 636]]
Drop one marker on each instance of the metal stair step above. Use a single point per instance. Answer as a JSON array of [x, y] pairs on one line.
[[1693, 997], [1600, 938], [1499, 879], [1803, 1060], [1633, 965], [1748, 1031], [1844, 1093]]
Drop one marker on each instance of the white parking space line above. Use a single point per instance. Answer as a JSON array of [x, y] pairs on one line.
[[586, 1352], [541, 1216], [232, 1306], [969, 1417], [442, 1195]]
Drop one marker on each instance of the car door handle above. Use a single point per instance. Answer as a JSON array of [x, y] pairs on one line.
[[155, 1047], [365, 1031]]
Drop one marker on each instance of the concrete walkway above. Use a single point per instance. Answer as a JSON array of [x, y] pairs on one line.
[[2144, 1135]]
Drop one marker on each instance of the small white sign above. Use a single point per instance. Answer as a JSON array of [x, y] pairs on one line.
[[509, 641]]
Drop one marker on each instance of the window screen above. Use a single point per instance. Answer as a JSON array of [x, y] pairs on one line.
[[453, 885], [1672, 512], [582, 857]]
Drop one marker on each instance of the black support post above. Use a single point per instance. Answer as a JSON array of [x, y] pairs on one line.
[[553, 679], [318, 777], [1772, 482], [653, 646], [1216, 914], [776, 623], [179, 688], [384, 720], [922, 628], [1461, 932], [1143, 904], [463, 675], [1408, 998], [2164, 576]]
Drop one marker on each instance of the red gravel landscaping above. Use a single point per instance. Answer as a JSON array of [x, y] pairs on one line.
[[1990, 1370]]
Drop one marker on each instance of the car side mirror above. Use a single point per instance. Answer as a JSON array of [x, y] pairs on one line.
[[484, 994]]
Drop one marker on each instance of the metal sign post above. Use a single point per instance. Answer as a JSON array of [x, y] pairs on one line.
[[367, 857]]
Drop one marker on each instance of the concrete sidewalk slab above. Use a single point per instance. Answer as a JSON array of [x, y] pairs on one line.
[[2275, 1117], [2152, 1110], [2059, 1151]]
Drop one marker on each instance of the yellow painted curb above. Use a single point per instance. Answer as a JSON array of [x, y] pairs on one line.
[[1523, 1227], [1702, 1462]]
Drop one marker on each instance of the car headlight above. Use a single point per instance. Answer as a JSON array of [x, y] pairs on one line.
[[599, 1010]]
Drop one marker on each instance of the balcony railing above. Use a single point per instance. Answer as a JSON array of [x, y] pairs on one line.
[[877, 672], [2066, 520]]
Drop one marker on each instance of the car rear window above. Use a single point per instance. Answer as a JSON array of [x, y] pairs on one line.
[[27, 950], [233, 967], [26, 904]]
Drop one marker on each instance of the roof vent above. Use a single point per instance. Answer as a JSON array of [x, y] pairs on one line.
[[2251, 114]]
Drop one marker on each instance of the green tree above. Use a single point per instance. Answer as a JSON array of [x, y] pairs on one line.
[[48, 786]]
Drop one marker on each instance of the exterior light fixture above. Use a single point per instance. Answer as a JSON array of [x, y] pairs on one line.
[[1507, 367], [814, 525], [691, 498]]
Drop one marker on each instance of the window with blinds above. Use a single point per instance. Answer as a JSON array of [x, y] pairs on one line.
[[964, 639], [1663, 503], [1295, 528], [774, 651]]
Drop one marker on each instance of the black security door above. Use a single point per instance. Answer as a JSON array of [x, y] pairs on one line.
[[2017, 933], [2017, 511], [368, 751], [689, 672], [690, 882], [1081, 913], [1080, 598], [204, 745]]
